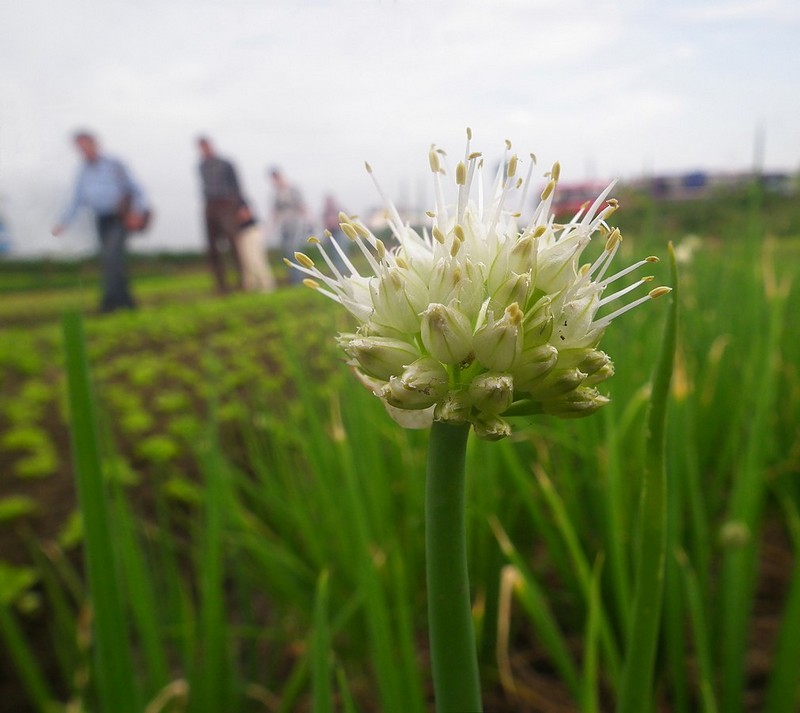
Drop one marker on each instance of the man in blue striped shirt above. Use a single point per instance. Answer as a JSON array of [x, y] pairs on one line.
[[105, 186]]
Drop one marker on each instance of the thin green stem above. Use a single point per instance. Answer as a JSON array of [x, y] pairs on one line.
[[636, 689], [453, 655]]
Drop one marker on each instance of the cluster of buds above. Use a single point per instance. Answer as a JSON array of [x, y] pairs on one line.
[[476, 318]]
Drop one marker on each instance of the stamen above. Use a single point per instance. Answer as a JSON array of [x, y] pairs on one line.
[[653, 294], [588, 218], [396, 223], [625, 291], [607, 256], [624, 272], [345, 259]]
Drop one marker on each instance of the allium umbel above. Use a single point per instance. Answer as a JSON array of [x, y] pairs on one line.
[[477, 317]]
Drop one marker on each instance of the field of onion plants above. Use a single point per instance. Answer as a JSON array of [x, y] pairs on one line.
[[202, 510]]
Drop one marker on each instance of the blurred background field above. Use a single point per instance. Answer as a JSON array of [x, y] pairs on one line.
[[266, 514]]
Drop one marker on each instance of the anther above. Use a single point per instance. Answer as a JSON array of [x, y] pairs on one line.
[[304, 260], [349, 231], [461, 174], [433, 159], [512, 166]]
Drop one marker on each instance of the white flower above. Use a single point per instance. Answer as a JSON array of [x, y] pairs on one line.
[[477, 317]]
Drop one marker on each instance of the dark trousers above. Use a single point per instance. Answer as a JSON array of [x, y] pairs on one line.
[[222, 226], [113, 264]]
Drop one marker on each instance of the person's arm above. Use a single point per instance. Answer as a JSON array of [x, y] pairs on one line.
[[72, 208]]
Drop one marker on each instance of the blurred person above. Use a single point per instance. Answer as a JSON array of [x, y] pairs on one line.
[[289, 217], [331, 223], [256, 273], [106, 186], [225, 210]]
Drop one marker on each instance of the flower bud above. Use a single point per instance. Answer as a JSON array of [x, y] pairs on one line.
[[523, 255], [491, 428], [603, 373], [498, 343], [470, 288], [533, 365], [446, 334], [557, 383], [513, 289], [421, 385], [381, 357], [538, 323], [588, 360], [734, 534], [492, 393], [577, 403], [393, 307], [454, 408]]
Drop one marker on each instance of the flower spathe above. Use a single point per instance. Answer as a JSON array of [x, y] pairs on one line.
[[476, 316]]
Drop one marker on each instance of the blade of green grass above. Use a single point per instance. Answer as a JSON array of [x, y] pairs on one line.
[[577, 556], [211, 680], [635, 685], [701, 631], [590, 690], [739, 566], [536, 605], [112, 658], [321, 669], [24, 659], [783, 693]]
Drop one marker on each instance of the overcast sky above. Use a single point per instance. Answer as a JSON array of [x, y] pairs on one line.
[[317, 87]]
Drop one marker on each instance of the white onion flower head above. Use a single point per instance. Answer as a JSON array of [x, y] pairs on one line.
[[476, 317]]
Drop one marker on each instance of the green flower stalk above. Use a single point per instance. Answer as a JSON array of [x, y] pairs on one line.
[[471, 320]]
